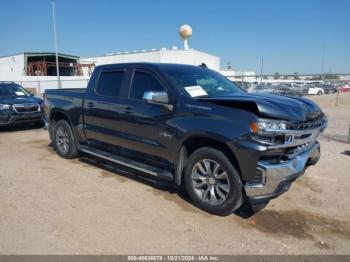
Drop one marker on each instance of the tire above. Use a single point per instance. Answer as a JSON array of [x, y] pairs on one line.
[[319, 92], [64, 140], [226, 185]]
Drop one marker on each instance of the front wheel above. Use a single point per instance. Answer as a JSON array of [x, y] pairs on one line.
[[212, 182], [319, 93], [63, 140]]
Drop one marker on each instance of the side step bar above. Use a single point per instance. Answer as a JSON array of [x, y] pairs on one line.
[[151, 170]]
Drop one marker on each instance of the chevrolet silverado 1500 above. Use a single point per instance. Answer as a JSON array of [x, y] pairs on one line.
[[189, 125]]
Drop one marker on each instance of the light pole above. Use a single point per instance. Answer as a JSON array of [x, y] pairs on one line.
[[261, 69], [322, 61], [55, 39]]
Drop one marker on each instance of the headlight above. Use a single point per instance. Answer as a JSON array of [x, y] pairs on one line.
[[268, 125], [4, 106], [269, 131]]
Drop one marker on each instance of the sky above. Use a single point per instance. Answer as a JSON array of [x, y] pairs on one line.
[[289, 34]]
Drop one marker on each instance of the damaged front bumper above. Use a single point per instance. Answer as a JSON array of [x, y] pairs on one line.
[[287, 160], [277, 178]]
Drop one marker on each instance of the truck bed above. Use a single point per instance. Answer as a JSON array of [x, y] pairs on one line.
[[67, 99], [70, 92]]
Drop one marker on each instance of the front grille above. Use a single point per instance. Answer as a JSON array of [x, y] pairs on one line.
[[294, 151], [311, 124], [26, 108]]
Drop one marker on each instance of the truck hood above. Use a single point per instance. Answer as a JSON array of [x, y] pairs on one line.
[[270, 105], [20, 100]]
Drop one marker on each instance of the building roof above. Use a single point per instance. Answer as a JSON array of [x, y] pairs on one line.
[[154, 50], [42, 54]]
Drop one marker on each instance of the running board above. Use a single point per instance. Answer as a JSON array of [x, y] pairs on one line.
[[151, 170]]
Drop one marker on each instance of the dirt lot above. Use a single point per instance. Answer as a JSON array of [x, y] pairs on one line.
[[49, 205]]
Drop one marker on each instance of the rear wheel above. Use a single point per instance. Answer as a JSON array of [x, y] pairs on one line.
[[63, 140], [212, 182], [319, 92]]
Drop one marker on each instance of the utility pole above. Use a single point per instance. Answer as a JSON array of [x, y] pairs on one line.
[[56, 46], [261, 69], [322, 61]]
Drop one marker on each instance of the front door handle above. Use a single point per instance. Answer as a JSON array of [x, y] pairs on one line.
[[128, 109]]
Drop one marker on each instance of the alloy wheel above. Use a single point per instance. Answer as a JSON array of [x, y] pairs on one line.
[[210, 181], [62, 140]]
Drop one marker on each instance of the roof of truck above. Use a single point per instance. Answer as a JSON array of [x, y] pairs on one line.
[[149, 64]]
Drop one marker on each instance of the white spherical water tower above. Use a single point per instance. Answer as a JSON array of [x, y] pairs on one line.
[[185, 33]]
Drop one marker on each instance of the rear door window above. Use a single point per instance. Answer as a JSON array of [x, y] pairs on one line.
[[110, 83]]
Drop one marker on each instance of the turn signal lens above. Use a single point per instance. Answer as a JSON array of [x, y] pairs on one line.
[[254, 127]]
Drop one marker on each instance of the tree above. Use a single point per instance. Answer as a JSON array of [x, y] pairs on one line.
[[276, 76], [316, 77], [330, 76]]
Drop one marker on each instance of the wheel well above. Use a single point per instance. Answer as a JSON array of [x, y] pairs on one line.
[[192, 144], [55, 117]]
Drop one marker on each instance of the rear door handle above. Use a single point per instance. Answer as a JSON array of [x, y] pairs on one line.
[[128, 109]]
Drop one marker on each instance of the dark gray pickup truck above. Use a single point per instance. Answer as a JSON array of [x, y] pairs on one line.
[[191, 126]]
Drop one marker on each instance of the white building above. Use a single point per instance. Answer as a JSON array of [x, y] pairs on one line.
[[163, 55], [246, 76], [12, 66], [37, 70]]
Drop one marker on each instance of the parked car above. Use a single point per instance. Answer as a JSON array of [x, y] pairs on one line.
[[344, 87], [191, 126], [285, 90], [328, 88], [280, 89], [18, 106], [299, 88], [242, 85], [314, 90], [260, 88]]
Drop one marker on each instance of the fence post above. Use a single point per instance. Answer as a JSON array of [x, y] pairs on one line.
[[337, 98], [38, 91]]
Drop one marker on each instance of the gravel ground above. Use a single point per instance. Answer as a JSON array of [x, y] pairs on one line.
[[50, 205]]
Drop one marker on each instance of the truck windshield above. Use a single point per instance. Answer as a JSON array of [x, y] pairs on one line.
[[201, 82], [12, 90]]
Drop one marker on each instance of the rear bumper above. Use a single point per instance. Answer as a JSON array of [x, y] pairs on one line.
[[17, 119], [277, 178]]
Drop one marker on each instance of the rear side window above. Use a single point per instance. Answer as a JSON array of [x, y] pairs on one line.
[[110, 83], [143, 82]]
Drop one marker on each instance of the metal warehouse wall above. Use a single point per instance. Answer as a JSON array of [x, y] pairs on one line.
[[11, 66], [179, 56]]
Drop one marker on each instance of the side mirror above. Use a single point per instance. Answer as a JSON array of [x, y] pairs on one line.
[[31, 94], [156, 97]]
